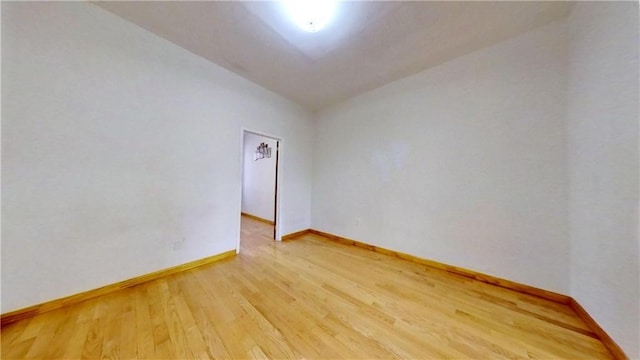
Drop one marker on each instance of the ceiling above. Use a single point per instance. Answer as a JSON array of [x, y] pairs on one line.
[[368, 44]]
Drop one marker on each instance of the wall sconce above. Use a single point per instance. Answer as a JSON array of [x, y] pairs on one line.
[[263, 151]]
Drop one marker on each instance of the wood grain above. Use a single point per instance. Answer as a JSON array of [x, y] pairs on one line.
[[508, 284], [309, 298], [296, 234], [613, 347], [594, 330], [266, 221], [31, 311]]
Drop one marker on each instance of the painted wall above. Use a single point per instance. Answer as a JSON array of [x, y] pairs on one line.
[[121, 156], [602, 129], [259, 178], [121, 152], [464, 163]]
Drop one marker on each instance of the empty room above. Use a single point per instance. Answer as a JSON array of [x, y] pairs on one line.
[[320, 179]]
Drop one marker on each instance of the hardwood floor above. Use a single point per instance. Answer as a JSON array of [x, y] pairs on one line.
[[306, 298]]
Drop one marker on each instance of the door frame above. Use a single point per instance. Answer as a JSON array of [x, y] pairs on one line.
[[278, 189]]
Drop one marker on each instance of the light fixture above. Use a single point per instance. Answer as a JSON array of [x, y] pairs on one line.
[[310, 15]]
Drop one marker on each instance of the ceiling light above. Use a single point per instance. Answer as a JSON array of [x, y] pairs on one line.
[[310, 15]]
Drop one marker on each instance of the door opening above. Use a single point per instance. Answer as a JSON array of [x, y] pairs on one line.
[[260, 180]]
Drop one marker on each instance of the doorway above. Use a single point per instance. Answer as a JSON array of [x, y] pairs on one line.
[[260, 180]]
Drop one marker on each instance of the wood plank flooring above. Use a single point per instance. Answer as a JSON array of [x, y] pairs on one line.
[[306, 298]]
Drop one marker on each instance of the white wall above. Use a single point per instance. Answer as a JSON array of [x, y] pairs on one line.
[[602, 129], [463, 163], [121, 156], [121, 152], [259, 178]]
